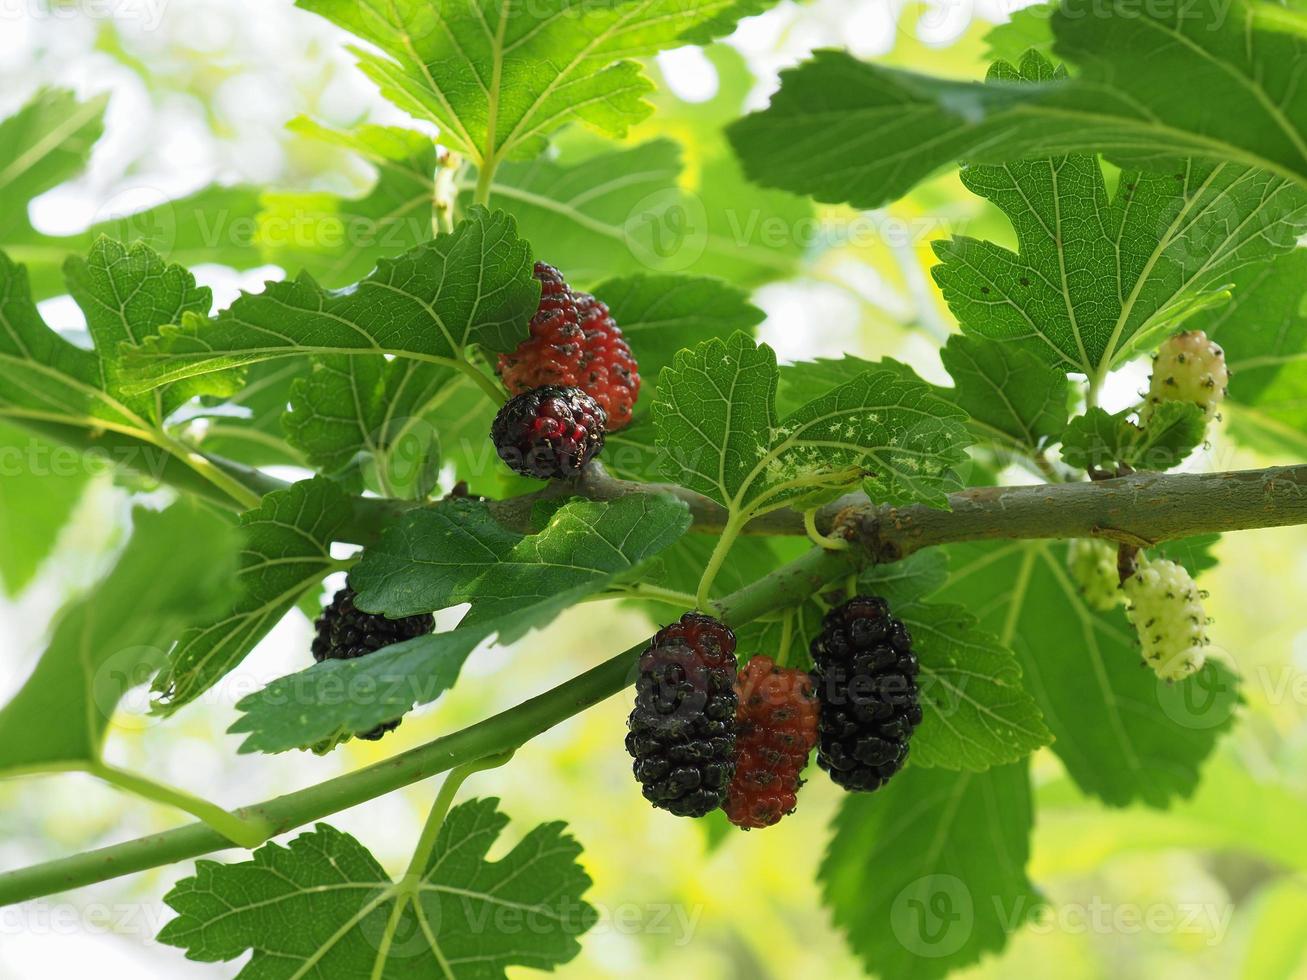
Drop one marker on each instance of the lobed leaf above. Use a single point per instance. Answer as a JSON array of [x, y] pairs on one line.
[[472, 286], [499, 79], [929, 874], [1098, 276], [323, 906]]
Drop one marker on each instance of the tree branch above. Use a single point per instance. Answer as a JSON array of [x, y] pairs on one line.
[[1141, 507]]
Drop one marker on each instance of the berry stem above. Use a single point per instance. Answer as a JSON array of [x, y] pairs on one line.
[[718, 557], [787, 639], [248, 832]]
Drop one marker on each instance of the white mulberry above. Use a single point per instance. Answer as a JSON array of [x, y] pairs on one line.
[[1188, 368], [1092, 564], [1166, 609]]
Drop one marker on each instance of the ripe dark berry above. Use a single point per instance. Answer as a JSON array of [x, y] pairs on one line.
[[549, 432], [776, 728], [574, 343], [682, 728], [345, 632], [866, 679]]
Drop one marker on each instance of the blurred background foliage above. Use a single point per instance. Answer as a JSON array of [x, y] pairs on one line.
[[202, 92]]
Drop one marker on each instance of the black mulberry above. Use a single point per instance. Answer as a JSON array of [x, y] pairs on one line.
[[549, 432], [866, 679], [682, 728], [345, 632]]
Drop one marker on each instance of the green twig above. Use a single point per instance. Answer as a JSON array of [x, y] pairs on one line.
[[715, 561], [247, 831]]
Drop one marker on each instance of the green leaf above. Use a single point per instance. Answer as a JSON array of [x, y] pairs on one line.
[[627, 210], [1028, 28], [455, 552], [803, 381], [40, 484], [588, 217], [370, 412], [247, 426], [663, 314], [1014, 399], [500, 79], [929, 874], [1098, 440], [323, 906], [845, 131], [976, 713], [1123, 735], [444, 555], [340, 239], [285, 550], [48, 142], [716, 418], [114, 638], [42, 145], [908, 581], [127, 293], [1098, 276], [1264, 332], [473, 286]]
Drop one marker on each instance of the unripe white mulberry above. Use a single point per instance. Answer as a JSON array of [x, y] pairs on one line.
[[1092, 564], [1166, 609], [1188, 368]]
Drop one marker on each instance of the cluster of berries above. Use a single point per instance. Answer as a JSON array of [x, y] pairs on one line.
[[704, 735], [571, 381]]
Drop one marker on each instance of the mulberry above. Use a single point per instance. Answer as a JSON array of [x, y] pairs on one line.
[[574, 343], [1188, 368], [549, 432], [1093, 567], [866, 677], [1166, 609], [345, 632], [682, 728], [776, 726]]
